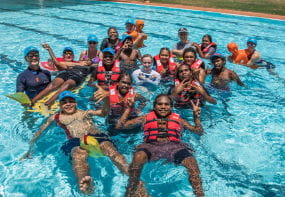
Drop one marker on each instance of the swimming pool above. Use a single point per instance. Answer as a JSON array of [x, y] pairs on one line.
[[242, 152]]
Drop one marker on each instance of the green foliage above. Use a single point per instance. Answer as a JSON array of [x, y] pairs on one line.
[[261, 6]]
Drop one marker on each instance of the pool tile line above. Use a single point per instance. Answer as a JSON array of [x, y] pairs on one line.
[[160, 36]]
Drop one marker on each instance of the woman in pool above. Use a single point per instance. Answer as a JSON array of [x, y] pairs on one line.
[[165, 64], [113, 39], [146, 76], [197, 66], [207, 48], [32, 80], [91, 53], [73, 75]]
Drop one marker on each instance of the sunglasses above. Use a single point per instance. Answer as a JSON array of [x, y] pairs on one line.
[[68, 53], [92, 42], [67, 101], [251, 44], [30, 56], [108, 56]]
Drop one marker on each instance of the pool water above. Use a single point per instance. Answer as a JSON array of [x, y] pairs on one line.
[[242, 152]]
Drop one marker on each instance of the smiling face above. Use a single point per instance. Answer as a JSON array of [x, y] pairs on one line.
[[147, 61], [68, 56], [164, 56], [68, 105], [113, 34], [33, 59], [124, 85], [108, 59], [162, 106], [189, 58], [205, 41]]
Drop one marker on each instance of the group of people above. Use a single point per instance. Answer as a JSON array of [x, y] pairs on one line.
[[114, 69]]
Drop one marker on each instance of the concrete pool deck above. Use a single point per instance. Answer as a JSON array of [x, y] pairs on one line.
[[263, 15]]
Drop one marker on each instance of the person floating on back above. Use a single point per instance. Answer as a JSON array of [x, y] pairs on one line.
[[78, 126], [162, 140]]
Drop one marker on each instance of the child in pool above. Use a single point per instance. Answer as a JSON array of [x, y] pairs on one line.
[[165, 64], [196, 65], [146, 76], [77, 124]]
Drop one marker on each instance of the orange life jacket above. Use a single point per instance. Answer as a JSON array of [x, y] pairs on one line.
[[108, 77], [173, 130]]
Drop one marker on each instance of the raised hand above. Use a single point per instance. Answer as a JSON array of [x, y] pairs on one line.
[[46, 46], [130, 102], [196, 108], [181, 86], [100, 94]]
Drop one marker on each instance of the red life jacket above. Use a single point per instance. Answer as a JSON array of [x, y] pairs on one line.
[[186, 95], [173, 130], [206, 49], [116, 107], [114, 95], [102, 73], [171, 65], [56, 118], [197, 64]]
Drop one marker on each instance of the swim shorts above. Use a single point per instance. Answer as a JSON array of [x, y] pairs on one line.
[[70, 75], [73, 142], [171, 151]]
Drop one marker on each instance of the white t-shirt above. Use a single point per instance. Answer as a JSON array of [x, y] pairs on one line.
[[152, 77]]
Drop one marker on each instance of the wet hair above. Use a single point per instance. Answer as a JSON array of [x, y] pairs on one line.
[[125, 74], [190, 49], [165, 49], [207, 36], [110, 28], [162, 95], [147, 55]]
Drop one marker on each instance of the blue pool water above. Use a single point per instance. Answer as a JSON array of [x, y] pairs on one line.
[[242, 152]]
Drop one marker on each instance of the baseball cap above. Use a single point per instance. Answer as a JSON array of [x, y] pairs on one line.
[[109, 50], [92, 37], [139, 22], [216, 55], [130, 21], [252, 39], [183, 30], [66, 94], [30, 49], [67, 49], [125, 36]]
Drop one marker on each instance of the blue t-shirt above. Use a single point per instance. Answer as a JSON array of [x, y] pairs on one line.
[[32, 82]]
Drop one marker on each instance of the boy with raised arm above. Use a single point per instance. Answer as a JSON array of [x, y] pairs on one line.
[[162, 140], [77, 125]]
